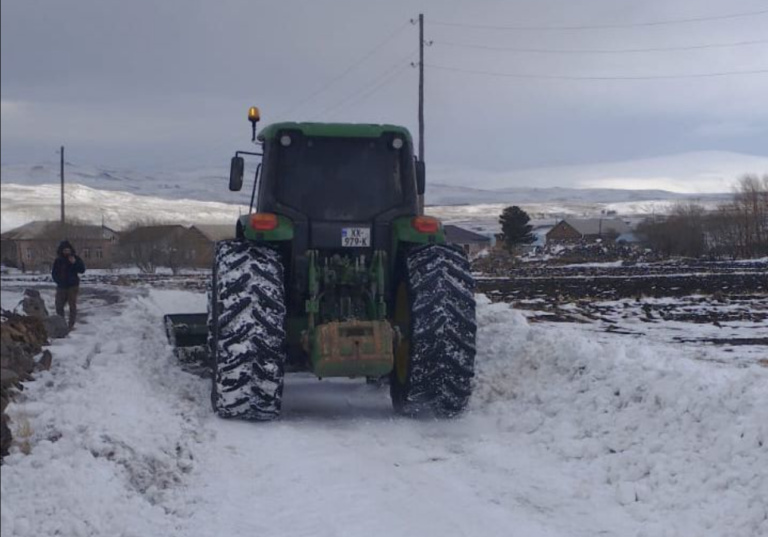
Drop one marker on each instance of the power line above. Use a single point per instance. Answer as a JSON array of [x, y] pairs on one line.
[[378, 79], [576, 77], [601, 51], [346, 71], [602, 26], [366, 90], [394, 76]]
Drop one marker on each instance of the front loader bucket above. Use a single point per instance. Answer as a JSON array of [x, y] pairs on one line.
[[188, 333]]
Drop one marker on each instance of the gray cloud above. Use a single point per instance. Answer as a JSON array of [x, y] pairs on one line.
[[151, 83]]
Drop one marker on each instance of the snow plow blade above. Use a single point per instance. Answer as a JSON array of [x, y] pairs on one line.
[[188, 333]]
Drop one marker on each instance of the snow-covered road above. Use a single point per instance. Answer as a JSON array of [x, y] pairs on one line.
[[566, 437]]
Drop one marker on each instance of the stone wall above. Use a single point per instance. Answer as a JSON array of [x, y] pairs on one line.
[[23, 335]]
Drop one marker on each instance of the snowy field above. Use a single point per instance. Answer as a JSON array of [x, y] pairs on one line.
[[731, 330], [568, 435]]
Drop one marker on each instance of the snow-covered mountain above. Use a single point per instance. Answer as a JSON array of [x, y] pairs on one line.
[[31, 192], [695, 172], [23, 203], [443, 194]]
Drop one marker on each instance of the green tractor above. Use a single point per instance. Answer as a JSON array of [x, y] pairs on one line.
[[336, 271]]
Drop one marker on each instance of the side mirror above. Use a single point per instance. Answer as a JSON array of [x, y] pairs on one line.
[[421, 177], [236, 170]]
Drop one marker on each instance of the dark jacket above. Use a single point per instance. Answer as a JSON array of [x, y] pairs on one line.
[[64, 273]]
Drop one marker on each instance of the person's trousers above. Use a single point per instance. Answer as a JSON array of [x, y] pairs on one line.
[[67, 295]]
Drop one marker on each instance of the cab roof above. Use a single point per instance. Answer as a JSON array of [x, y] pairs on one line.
[[333, 130]]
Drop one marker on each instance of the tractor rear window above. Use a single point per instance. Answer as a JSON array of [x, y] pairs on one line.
[[344, 179]]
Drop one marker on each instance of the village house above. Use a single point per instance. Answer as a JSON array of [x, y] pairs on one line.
[[589, 229], [33, 245], [152, 246], [471, 242], [202, 240], [172, 245]]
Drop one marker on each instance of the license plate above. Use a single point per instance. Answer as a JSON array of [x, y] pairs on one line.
[[356, 237]]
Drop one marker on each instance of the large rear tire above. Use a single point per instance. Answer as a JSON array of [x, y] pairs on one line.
[[435, 313], [247, 340]]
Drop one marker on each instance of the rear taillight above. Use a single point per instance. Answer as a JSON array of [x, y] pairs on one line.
[[426, 224], [263, 221]]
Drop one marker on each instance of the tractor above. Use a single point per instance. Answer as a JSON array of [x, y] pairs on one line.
[[335, 270]]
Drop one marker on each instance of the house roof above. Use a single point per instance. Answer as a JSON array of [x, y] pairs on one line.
[[598, 226], [215, 232], [152, 233], [456, 234], [50, 230]]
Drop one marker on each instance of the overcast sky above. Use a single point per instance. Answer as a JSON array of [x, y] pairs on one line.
[[164, 84]]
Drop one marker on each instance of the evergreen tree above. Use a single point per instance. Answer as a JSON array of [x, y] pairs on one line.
[[515, 228]]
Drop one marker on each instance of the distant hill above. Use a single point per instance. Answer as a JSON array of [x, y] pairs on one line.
[[697, 172], [440, 194], [31, 192]]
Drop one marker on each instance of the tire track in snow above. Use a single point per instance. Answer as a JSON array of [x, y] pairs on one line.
[[339, 464]]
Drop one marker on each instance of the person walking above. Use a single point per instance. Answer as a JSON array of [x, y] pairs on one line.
[[66, 273]]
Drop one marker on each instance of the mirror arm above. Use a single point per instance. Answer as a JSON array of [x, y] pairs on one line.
[[255, 185], [420, 176]]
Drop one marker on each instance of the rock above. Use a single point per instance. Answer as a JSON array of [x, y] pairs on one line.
[[46, 360], [33, 304], [27, 332], [21, 338], [5, 437], [8, 378], [19, 362], [56, 326]]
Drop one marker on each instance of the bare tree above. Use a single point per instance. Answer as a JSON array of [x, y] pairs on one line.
[[143, 244], [681, 233], [152, 245], [738, 228], [750, 204]]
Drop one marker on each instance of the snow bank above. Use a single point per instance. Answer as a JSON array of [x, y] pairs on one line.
[[111, 429], [684, 444]]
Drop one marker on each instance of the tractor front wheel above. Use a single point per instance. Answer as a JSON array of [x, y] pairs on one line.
[[435, 314]]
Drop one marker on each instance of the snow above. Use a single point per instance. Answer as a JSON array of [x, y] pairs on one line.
[[682, 443], [566, 436], [604, 264], [200, 196], [9, 299], [22, 204], [174, 301]]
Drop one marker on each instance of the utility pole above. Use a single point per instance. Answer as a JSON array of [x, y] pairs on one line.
[[421, 87], [61, 173]]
